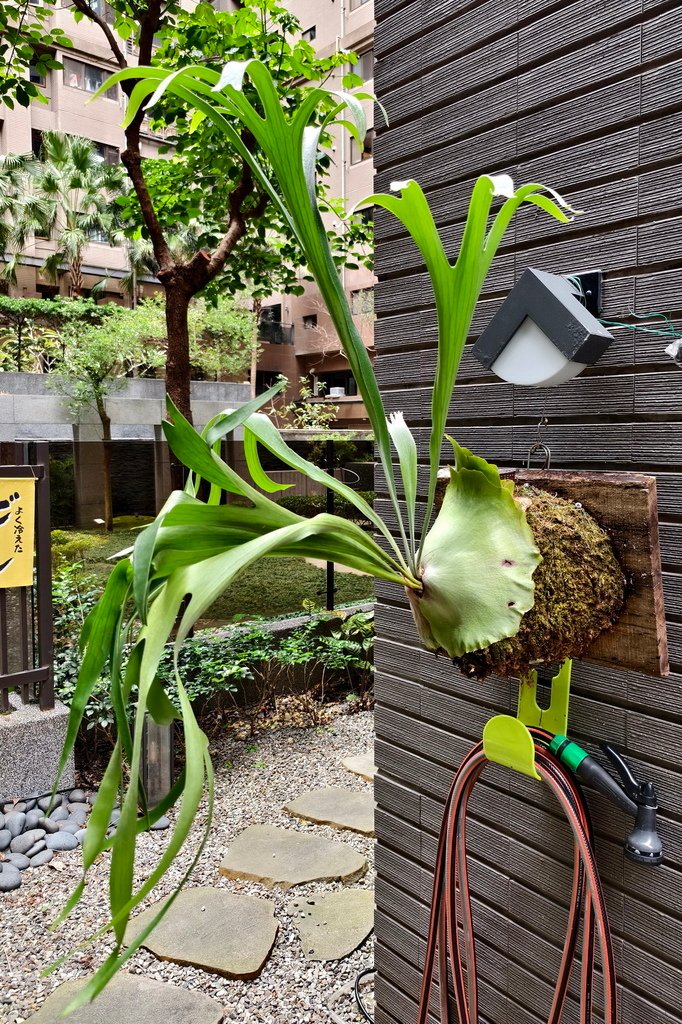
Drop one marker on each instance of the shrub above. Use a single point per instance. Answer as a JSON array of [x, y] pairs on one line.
[[310, 505], [74, 593], [69, 547], [246, 669]]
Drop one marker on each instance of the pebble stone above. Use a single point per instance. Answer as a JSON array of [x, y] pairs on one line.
[[36, 848], [24, 842], [19, 806], [61, 841], [10, 877], [78, 812], [33, 818], [44, 857], [18, 859], [33, 828], [15, 822], [162, 823], [45, 803]]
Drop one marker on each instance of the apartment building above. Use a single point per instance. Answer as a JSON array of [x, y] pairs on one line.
[[86, 66], [297, 335]]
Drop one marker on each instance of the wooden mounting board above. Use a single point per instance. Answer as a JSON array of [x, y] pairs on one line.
[[624, 504]]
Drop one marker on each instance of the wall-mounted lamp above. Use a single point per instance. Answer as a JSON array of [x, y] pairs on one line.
[[546, 330]]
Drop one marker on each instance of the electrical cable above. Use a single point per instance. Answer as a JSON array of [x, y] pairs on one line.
[[358, 994], [451, 933]]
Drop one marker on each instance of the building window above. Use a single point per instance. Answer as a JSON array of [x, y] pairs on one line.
[[366, 214], [354, 4], [266, 379], [310, 321], [309, 34], [78, 75], [48, 291], [357, 155], [36, 142], [37, 77], [362, 301], [103, 10], [338, 379], [365, 65], [107, 154], [97, 235]]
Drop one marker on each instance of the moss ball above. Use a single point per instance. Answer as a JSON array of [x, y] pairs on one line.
[[579, 590]]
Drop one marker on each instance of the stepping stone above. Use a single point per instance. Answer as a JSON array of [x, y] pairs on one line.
[[131, 997], [214, 930], [332, 925], [340, 808], [362, 765], [280, 856]]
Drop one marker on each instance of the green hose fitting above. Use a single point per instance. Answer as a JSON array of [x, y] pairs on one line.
[[568, 752]]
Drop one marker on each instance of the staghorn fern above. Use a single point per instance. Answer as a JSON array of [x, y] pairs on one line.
[[468, 577]]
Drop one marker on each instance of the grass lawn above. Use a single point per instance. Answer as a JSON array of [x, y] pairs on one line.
[[274, 586]]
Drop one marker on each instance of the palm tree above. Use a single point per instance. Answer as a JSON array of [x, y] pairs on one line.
[[64, 194]]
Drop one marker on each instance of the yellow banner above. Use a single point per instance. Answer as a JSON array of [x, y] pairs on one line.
[[17, 526]]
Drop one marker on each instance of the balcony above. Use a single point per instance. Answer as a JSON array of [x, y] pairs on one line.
[[275, 333]]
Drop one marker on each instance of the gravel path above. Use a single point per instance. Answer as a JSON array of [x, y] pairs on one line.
[[253, 781]]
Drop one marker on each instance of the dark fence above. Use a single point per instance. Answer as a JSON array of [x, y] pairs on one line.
[[587, 98], [26, 612]]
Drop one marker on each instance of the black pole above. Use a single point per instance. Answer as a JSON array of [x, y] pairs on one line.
[[329, 445]]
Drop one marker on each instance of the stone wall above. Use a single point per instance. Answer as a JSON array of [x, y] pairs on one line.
[[587, 99]]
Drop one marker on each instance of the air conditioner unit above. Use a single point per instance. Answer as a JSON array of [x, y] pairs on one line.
[[337, 392]]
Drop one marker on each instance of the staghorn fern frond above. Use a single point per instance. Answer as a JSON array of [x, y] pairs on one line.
[[469, 577]]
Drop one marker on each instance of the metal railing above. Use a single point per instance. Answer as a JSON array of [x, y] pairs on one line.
[[26, 612]]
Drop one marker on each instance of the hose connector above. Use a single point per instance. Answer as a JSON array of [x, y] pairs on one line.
[[638, 799]]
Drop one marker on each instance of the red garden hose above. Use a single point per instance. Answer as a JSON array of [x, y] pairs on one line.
[[451, 927]]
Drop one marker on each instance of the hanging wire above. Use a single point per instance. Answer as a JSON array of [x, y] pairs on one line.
[[665, 330]]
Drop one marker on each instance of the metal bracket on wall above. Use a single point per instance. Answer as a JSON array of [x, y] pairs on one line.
[[507, 741]]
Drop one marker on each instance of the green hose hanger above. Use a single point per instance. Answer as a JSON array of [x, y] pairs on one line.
[[507, 741]]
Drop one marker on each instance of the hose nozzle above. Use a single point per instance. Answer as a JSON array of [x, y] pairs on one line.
[[638, 799], [643, 845]]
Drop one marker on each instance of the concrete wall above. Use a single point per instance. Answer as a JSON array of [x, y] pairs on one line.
[[586, 98], [32, 410]]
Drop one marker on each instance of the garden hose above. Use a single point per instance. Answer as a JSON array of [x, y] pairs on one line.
[[451, 934]]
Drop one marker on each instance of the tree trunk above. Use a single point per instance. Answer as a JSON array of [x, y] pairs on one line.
[[106, 465], [76, 282], [257, 310], [178, 377], [177, 360]]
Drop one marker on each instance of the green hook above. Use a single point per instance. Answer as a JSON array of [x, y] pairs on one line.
[[507, 741]]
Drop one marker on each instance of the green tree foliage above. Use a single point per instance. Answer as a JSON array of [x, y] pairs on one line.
[[31, 330], [25, 41], [65, 194], [242, 239], [97, 352]]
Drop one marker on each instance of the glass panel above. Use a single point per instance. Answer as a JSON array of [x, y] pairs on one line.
[[365, 65], [73, 73]]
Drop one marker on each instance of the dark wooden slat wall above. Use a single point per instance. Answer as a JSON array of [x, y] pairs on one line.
[[588, 99]]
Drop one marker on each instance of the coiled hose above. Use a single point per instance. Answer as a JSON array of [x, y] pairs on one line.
[[451, 933]]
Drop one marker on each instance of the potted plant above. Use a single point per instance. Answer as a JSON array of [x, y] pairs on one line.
[[473, 576]]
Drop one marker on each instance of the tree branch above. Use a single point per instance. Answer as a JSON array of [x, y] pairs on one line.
[[86, 10]]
